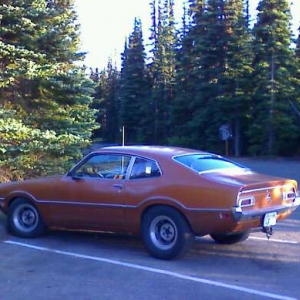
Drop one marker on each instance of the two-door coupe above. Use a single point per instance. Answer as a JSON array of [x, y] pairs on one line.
[[167, 195]]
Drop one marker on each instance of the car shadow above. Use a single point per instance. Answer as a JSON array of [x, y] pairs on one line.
[[3, 230], [205, 251]]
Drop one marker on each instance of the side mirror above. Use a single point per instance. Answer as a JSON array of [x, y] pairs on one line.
[[76, 176]]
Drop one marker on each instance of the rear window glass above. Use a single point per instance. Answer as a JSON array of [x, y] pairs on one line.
[[206, 163]]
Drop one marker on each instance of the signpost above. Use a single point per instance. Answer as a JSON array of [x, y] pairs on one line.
[[225, 134], [123, 136]]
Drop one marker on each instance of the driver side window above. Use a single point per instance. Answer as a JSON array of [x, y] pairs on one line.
[[109, 166]]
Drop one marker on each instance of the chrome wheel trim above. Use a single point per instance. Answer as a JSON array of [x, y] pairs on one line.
[[25, 218], [163, 232]]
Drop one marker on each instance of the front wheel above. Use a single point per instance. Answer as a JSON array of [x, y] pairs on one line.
[[166, 233], [230, 238], [24, 219]]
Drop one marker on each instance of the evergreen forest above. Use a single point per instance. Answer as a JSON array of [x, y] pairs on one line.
[[216, 80]]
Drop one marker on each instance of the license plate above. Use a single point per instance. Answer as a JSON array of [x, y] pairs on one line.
[[270, 219]]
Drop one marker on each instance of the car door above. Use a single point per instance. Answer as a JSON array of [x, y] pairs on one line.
[[95, 194], [144, 180]]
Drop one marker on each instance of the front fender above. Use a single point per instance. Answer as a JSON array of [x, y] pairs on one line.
[[6, 202]]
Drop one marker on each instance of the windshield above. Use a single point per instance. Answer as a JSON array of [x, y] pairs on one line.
[[207, 162]]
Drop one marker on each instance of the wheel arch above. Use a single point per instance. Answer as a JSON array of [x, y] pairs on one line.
[[175, 206], [10, 198], [20, 195], [28, 197]]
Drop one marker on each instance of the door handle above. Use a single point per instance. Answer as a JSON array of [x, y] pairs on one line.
[[118, 186]]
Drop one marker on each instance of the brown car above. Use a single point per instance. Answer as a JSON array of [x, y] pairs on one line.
[[167, 195]]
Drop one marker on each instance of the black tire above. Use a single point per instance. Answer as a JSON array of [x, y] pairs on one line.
[[166, 233], [24, 219], [230, 238]]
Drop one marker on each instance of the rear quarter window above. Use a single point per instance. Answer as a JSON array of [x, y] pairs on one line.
[[144, 168]]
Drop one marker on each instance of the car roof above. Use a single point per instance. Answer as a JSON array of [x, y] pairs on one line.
[[150, 151]]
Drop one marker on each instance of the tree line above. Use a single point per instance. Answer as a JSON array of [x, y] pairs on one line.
[[215, 69], [218, 70]]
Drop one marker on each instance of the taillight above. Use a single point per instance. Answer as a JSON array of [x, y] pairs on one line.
[[247, 201], [289, 195]]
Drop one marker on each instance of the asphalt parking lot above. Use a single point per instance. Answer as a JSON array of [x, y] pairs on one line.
[[72, 265]]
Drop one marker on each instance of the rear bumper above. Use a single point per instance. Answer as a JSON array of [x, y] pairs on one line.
[[240, 215]]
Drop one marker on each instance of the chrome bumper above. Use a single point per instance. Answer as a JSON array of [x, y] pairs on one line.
[[240, 215]]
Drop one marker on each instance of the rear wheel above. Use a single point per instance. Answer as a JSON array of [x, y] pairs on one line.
[[230, 238], [166, 233], [24, 219]]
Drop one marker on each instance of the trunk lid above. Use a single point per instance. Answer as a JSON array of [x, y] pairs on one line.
[[257, 190]]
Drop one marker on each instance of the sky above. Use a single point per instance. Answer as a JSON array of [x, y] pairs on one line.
[[105, 25]]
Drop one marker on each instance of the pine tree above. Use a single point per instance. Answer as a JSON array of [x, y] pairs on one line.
[[162, 68], [218, 61], [186, 75], [43, 92], [107, 104], [295, 101], [134, 85], [237, 71], [273, 126]]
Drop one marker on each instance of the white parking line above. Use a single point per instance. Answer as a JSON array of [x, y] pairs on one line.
[[273, 240], [154, 270]]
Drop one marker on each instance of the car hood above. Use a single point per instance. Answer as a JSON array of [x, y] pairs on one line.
[[49, 179]]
